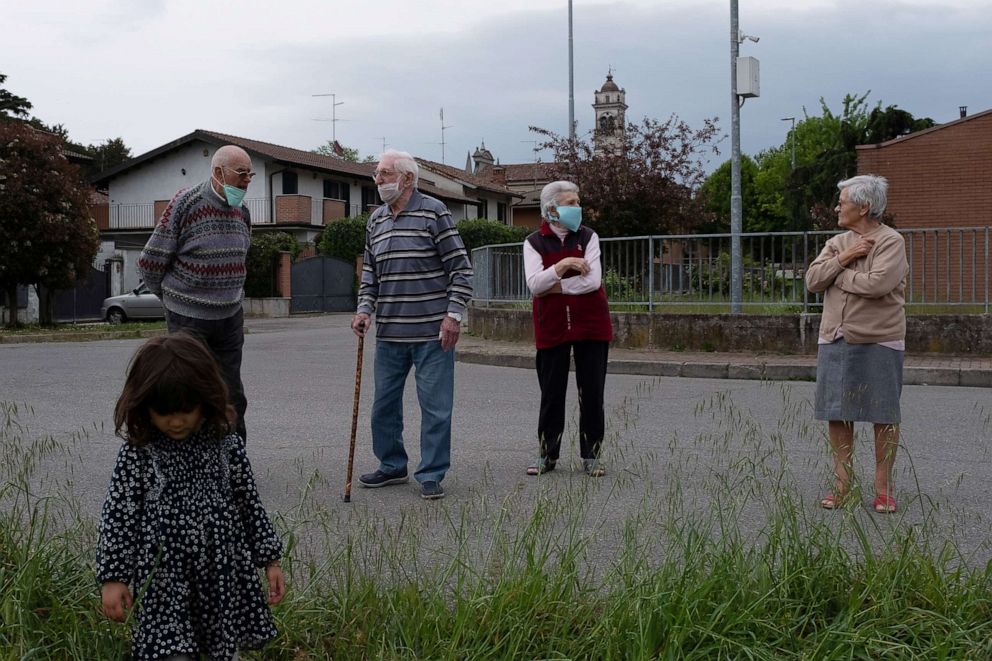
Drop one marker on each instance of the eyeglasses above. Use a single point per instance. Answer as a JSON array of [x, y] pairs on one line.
[[383, 173], [242, 173]]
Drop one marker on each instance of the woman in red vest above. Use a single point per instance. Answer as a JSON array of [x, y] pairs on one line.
[[571, 317]]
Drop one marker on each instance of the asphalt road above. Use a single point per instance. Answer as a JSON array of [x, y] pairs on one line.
[[673, 445]]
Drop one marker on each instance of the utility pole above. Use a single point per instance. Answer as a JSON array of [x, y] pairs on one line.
[[571, 79], [442, 135], [736, 100], [334, 115], [736, 262]]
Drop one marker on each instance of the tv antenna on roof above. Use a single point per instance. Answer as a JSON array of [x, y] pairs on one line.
[[442, 135], [334, 114]]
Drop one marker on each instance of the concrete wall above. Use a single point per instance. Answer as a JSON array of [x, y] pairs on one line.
[[789, 334], [266, 307]]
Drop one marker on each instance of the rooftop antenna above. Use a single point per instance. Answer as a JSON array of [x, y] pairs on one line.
[[334, 116], [534, 149], [442, 135]]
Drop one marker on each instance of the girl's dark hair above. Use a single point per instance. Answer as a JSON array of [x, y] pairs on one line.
[[171, 373]]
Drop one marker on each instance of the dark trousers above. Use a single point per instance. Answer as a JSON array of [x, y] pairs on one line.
[[590, 379], [225, 338]]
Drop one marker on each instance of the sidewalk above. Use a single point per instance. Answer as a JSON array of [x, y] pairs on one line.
[[925, 369]]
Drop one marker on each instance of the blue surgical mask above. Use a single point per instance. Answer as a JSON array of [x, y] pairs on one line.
[[234, 195], [570, 217]]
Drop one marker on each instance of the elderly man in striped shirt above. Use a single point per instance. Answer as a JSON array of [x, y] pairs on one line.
[[418, 280]]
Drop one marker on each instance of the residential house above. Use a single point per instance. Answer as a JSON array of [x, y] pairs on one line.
[[294, 191], [483, 197]]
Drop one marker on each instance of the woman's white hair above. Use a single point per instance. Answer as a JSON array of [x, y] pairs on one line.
[[551, 193], [867, 189], [403, 162]]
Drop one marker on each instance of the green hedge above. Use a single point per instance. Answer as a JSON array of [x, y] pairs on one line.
[[260, 280], [478, 233], [344, 238]]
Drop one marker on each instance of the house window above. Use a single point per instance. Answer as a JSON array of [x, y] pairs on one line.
[[483, 208], [290, 183], [501, 212], [337, 190], [370, 198]]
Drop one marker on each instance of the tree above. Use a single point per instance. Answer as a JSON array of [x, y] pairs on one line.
[[47, 236], [646, 185], [787, 198], [108, 155], [12, 105], [335, 149], [826, 147]]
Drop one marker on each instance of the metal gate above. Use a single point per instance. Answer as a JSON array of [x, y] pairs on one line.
[[322, 284], [84, 301]]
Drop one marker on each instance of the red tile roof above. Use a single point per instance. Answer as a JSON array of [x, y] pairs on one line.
[[459, 174]]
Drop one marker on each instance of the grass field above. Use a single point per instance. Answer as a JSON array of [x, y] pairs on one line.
[[523, 577]]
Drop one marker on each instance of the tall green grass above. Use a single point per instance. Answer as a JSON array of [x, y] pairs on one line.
[[718, 557]]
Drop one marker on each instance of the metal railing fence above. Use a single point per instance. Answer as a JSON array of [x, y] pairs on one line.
[[948, 267], [141, 215]]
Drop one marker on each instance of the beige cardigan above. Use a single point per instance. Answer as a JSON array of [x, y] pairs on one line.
[[867, 297]]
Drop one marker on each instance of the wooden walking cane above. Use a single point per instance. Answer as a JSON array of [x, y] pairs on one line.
[[354, 417]]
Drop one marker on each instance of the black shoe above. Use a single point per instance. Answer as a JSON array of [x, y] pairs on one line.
[[380, 479], [431, 490]]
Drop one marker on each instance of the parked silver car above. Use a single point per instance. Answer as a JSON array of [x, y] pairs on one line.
[[139, 304]]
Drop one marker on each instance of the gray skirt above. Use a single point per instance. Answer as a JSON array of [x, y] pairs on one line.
[[858, 382]]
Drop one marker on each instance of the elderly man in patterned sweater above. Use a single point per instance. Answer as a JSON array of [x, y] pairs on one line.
[[418, 280], [195, 262]]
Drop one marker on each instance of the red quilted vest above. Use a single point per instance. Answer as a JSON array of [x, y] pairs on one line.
[[560, 318]]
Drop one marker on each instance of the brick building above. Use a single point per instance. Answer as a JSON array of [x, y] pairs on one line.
[[941, 179]]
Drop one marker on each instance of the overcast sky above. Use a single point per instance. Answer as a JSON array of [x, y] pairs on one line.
[[151, 71]]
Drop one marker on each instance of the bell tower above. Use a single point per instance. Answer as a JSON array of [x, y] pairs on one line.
[[611, 118]]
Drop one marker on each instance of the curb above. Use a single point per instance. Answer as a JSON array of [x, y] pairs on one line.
[[80, 337], [912, 376]]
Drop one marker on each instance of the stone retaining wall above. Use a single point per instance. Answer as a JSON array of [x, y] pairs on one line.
[[275, 306], [791, 334]]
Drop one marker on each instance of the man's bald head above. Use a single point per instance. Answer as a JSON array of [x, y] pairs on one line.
[[230, 156]]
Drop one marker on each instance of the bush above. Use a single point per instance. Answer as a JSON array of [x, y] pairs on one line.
[[261, 262], [478, 233], [344, 238], [714, 276]]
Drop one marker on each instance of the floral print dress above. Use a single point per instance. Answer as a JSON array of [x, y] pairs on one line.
[[184, 528]]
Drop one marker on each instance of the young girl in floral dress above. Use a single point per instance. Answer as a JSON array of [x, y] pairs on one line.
[[183, 532]]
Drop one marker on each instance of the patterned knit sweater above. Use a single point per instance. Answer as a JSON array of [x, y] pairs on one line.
[[195, 258]]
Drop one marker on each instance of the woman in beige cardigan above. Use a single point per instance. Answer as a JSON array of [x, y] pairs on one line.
[[862, 334]]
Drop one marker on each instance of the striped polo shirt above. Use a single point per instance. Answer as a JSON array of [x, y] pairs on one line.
[[416, 270]]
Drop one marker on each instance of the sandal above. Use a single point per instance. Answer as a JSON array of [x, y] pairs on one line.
[[884, 504], [593, 468], [832, 501], [541, 466]]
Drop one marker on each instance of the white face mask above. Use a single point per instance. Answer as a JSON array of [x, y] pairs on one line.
[[390, 192]]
